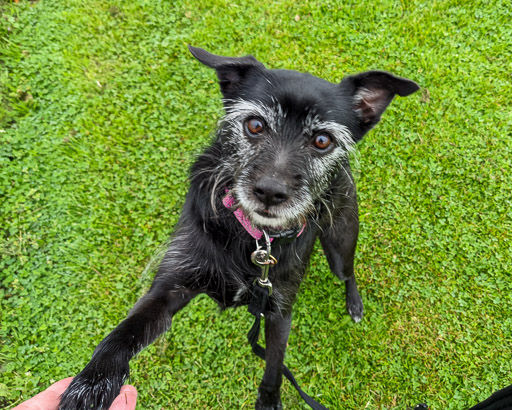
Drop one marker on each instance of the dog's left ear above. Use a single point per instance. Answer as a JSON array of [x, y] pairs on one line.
[[371, 93], [231, 71]]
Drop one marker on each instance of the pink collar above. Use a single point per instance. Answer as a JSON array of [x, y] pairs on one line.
[[229, 202]]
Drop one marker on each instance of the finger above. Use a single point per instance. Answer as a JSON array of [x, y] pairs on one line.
[[48, 399], [60, 386], [126, 400]]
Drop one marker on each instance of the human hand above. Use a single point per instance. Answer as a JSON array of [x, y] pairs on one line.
[[50, 398]]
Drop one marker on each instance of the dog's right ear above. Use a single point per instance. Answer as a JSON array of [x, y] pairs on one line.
[[231, 71], [371, 93]]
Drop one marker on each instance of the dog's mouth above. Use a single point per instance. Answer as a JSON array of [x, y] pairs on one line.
[[273, 220], [279, 217], [251, 215], [265, 213], [265, 219]]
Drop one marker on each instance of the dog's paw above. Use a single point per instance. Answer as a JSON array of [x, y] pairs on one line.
[[260, 406], [92, 390], [268, 399], [355, 307], [270, 407]]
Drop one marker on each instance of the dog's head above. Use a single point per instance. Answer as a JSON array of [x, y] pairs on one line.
[[286, 135]]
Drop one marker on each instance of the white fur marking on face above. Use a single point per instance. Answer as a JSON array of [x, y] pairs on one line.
[[245, 152], [262, 221], [341, 134], [239, 110], [292, 215], [324, 167]]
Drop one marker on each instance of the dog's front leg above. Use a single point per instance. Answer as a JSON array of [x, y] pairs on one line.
[[277, 330], [97, 385], [339, 244]]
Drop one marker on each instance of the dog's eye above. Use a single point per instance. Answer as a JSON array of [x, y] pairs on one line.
[[322, 141], [254, 126]]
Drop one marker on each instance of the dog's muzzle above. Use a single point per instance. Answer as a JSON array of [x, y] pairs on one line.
[[277, 236]]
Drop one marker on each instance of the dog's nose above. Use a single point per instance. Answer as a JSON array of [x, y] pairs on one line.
[[270, 191]]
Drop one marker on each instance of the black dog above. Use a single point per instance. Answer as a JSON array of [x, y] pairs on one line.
[[278, 166]]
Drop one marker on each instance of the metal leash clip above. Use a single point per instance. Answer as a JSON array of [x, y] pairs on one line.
[[262, 258]]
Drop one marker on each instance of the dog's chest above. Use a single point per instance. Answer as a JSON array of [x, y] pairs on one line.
[[240, 279]]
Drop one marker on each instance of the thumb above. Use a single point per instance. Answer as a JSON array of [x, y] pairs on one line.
[[126, 400]]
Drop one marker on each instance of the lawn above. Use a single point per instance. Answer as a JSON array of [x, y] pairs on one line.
[[103, 110]]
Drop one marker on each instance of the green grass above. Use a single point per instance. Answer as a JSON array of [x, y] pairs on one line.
[[102, 111]]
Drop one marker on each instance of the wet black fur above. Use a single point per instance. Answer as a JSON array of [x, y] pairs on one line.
[[210, 251]]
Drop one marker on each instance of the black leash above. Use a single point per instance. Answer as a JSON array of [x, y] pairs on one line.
[[257, 308], [262, 289]]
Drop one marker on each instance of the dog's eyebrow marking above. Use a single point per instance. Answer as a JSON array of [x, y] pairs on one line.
[[339, 132], [239, 109]]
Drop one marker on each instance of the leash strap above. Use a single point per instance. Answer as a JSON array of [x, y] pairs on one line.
[[257, 308]]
